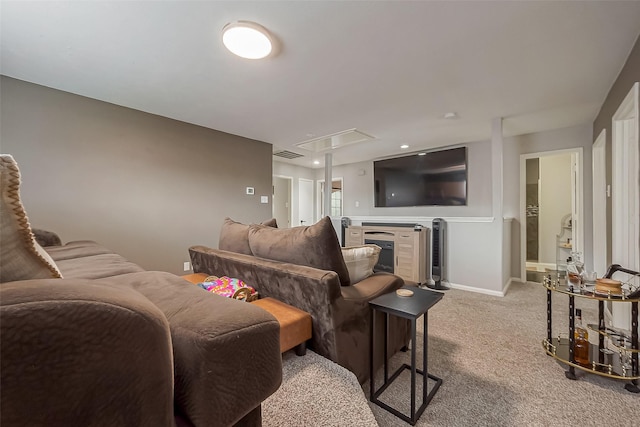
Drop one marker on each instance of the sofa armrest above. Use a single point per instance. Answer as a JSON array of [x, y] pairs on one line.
[[310, 289], [372, 287], [77, 353], [46, 238]]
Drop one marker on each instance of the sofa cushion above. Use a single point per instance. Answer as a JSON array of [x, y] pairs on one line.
[[76, 249], [21, 257], [314, 246], [360, 260], [97, 266], [234, 236]]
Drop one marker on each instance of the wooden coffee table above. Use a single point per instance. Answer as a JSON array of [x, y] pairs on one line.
[[295, 324]]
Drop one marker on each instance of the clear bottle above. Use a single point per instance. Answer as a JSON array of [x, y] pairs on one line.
[[581, 341]]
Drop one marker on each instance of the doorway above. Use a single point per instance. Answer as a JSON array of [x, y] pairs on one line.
[[550, 211], [282, 200], [336, 198]]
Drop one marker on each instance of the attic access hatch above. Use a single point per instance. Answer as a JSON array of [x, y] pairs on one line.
[[335, 140]]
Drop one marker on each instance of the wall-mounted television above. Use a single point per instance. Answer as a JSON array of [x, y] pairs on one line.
[[436, 178]]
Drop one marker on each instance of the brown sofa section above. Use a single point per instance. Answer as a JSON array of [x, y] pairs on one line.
[[75, 353], [111, 344], [340, 314]]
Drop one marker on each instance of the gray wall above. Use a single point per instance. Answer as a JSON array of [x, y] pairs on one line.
[[629, 74], [541, 142], [145, 186]]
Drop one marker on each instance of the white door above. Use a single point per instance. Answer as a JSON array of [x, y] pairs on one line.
[[305, 201], [625, 222], [625, 225], [600, 204], [282, 201]]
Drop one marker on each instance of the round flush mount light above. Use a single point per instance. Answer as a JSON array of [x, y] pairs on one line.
[[247, 39]]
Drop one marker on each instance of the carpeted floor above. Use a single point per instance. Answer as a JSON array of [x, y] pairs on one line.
[[316, 392], [488, 352]]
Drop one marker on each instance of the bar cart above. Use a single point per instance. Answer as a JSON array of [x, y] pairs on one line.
[[616, 355]]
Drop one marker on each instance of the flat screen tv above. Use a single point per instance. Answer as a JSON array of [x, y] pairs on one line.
[[437, 178]]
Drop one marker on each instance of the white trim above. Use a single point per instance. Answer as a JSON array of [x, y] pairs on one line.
[[599, 195], [478, 290], [320, 201], [624, 218], [356, 220], [290, 201]]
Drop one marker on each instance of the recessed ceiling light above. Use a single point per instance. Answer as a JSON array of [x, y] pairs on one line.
[[422, 154], [403, 146], [247, 39], [451, 116], [316, 162]]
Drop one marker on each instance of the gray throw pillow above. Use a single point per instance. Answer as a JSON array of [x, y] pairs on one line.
[[234, 236], [315, 246]]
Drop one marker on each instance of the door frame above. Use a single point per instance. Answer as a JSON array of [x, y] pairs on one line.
[[599, 192], [289, 201], [578, 191], [320, 196], [624, 159]]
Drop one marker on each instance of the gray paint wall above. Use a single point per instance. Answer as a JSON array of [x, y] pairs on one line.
[[145, 186], [549, 141], [629, 74]]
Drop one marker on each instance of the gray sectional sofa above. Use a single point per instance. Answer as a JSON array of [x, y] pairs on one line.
[[304, 267], [91, 339]]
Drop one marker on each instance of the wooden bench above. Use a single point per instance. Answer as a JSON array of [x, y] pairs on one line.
[[295, 324]]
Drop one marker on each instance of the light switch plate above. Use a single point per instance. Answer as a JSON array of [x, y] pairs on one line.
[[264, 199]]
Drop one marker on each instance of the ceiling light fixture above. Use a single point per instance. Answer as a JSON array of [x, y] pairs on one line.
[[316, 162], [404, 146], [247, 39], [451, 116]]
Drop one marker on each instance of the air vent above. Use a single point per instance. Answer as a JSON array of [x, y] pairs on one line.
[[287, 154]]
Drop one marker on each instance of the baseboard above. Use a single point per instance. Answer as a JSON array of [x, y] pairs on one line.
[[478, 290], [541, 267]]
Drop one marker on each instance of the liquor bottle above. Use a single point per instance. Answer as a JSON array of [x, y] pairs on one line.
[[581, 342]]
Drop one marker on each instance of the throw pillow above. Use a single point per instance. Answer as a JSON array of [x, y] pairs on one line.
[[21, 257], [234, 236], [315, 246], [360, 260]]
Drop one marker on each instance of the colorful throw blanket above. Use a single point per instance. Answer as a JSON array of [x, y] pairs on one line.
[[229, 287]]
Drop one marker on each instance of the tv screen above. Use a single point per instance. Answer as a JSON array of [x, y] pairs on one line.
[[437, 178]]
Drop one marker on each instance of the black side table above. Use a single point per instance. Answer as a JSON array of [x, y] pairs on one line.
[[409, 308]]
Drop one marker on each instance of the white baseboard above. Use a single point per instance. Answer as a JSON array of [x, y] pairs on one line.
[[478, 290], [541, 266]]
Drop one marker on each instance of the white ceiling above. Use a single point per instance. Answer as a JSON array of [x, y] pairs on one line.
[[390, 69]]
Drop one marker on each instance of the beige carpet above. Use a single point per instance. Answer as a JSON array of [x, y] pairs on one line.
[[488, 351], [316, 392]]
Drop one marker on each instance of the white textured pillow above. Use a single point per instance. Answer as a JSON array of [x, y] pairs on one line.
[[21, 257], [360, 261]]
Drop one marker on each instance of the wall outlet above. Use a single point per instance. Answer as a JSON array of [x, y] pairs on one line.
[[187, 266]]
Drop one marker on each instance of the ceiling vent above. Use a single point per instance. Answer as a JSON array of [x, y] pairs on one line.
[[287, 154], [336, 140]]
